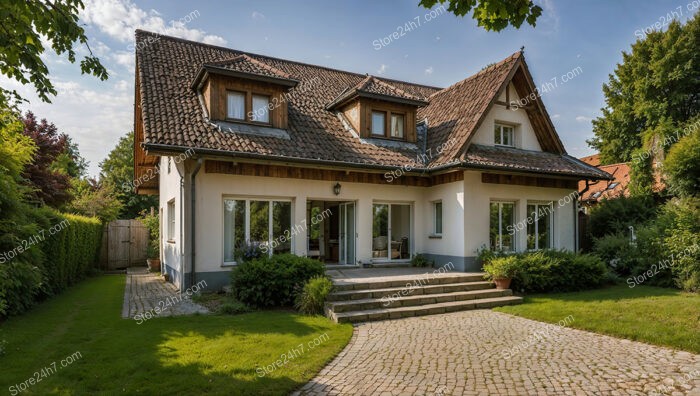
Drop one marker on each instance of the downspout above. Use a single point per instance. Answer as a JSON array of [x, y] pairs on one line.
[[193, 227], [182, 225]]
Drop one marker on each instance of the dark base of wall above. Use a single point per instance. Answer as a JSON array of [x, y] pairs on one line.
[[174, 275], [461, 264], [212, 281]]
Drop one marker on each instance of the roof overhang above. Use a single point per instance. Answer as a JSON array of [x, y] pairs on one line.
[[349, 96]]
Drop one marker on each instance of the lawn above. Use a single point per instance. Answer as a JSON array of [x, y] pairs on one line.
[[201, 354], [653, 315]]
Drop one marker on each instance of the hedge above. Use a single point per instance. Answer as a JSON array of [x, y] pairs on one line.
[[57, 251]]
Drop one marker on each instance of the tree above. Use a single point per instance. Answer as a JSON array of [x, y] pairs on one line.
[[50, 186], [117, 173], [94, 200], [493, 15], [24, 24], [70, 162], [682, 165], [650, 96]]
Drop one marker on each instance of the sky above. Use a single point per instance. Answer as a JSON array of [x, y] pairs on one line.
[[574, 48]]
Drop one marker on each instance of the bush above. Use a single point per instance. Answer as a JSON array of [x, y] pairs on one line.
[[272, 281], [501, 267], [312, 297], [618, 253], [554, 271], [152, 222], [420, 261], [682, 164], [614, 216]]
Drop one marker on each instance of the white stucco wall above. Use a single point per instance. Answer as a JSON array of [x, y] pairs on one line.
[[171, 251], [525, 137]]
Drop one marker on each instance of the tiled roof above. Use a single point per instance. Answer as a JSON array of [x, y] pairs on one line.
[[372, 86], [618, 186], [173, 117], [513, 159]]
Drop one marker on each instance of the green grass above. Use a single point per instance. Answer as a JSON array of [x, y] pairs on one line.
[[653, 315], [200, 354]]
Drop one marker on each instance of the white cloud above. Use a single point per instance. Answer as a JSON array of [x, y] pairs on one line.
[[126, 59], [549, 17], [429, 70], [257, 16], [382, 69], [583, 118], [120, 18], [556, 116]]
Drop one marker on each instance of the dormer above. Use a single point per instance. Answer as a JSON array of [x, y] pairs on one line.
[[244, 90], [377, 109]]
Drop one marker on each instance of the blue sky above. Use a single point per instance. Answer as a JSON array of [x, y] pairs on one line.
[[587, 36]]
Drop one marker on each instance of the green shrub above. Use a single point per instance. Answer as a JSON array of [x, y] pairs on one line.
[[501, 267], [614, 216], [618, 253], [272, 281], [233, 307], [682, 164], [152, 222], [312, 297], [420, 261]]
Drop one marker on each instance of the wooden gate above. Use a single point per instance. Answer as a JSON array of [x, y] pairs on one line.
[[127, 242]]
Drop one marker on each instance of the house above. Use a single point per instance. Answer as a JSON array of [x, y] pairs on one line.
[[348, 168]]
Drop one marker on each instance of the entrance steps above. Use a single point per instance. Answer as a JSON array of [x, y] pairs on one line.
[[381, 298]]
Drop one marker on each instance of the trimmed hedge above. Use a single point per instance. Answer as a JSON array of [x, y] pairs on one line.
[[60, 250], [273, 281]]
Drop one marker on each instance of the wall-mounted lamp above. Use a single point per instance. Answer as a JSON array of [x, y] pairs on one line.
[[336, 189]]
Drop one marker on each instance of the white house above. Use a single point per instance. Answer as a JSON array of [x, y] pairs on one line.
[[347, 168]]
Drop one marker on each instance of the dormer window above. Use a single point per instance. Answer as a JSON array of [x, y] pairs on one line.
[[261, 109], [504, 135], [378, 123], [235, 105], [397, 126]]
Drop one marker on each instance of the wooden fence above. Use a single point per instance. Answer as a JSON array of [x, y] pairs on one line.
[[124, 244]]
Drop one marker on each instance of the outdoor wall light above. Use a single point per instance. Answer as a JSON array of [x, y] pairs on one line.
[[336, 189]]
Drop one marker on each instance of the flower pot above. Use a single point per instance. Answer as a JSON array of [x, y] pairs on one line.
[[166, 277], [153, 265], [502, 283]]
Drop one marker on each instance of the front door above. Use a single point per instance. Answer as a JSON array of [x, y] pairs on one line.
[[346, 233]]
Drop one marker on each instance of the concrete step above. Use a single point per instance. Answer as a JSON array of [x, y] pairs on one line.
[[428, 279], [403, 290], [411, 300], [421, 310]]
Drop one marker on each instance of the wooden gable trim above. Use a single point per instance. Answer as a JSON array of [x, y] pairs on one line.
[[145, 166], [530, 181]]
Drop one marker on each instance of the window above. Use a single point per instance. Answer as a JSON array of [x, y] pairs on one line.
[[263, 224], [501, 230], [391, 231], [261, 109], [235, 106], [437, 216], [171, 220], [539, 226], [504, 135], [397, 125], [378, 123]]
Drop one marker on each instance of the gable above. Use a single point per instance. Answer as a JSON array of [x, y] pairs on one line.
[[525, 137]]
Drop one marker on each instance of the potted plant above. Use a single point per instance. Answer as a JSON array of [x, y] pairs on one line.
[[152, 223], [501, 270]]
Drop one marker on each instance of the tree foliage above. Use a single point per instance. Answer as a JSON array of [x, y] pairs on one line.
[[24, 24], [682, 166], [117, 173], [494, 15], [49, 186], [649, 98], [93, 199]]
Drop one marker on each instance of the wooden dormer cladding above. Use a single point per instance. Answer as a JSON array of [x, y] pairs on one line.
[[249, 79], [217, 87], [373, 95]]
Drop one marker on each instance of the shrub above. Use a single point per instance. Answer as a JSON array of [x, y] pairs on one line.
[[420, 261], [501, 267], [682, 164], [272, 281], [614, 216], [312, 297], [618, 253], [152, 222]]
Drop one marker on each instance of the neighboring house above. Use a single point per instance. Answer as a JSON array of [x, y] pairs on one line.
[[347, 168], [594, 192]]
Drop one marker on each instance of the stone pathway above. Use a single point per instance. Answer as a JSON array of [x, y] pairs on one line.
[[490, 353], [146, 291]]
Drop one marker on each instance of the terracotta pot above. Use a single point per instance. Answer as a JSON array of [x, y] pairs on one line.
[[153, 265], [502, 283]]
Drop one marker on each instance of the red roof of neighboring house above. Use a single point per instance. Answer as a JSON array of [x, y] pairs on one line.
[[608, 189]]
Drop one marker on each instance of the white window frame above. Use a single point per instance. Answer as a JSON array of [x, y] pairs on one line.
[[537, 205], [501, 127], [385, 114], [246, 225], [171, 220], [435, 231], [501, 226]]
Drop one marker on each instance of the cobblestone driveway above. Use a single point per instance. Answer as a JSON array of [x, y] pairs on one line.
[[145, 291], [464, 353]]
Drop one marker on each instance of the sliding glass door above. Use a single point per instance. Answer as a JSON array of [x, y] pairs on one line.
[[347, 233], [391, 231]]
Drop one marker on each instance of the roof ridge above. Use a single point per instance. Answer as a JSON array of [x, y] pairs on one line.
[[249, 58], [240, 52], [399, 90]]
